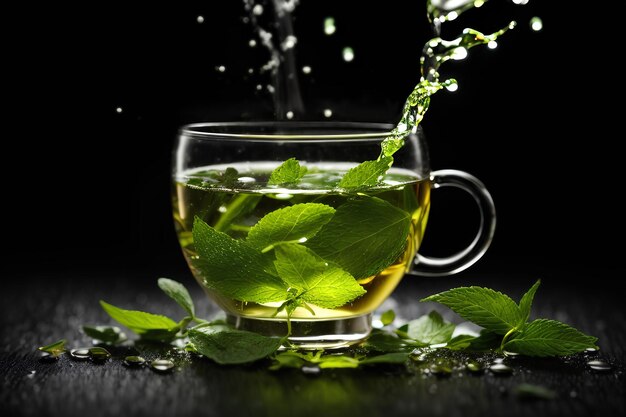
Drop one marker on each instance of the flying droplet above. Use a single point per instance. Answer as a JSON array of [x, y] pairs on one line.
[[459, 53], [119, 110], [200, 19], [252, 43], [289, 42], [520, 2], [259, 87], [271, 88], [306, 69], [162, 365], [250, 70], [221, 68], [134, 361], [598, 365], [452, 87], [492, 44], [80, 354], [328, 112], [348, 54], [329, 26], [289, 115], [536, 24], [257, 10]]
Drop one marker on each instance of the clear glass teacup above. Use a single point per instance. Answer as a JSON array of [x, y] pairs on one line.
[[275, 237]]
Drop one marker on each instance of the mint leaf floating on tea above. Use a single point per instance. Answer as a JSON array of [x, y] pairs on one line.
[[365, 236], [228, 346], [316, 281], [366, 174], [292, 224], [549, 338], [235, 268], [176, 291], [289, 172]]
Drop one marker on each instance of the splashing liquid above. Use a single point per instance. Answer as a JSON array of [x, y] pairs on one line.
[[280, 42], [435, 52]]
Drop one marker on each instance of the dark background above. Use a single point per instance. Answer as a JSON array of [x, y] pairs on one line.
[[88, 187]]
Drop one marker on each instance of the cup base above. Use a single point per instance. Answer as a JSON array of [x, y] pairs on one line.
[[310, 334]]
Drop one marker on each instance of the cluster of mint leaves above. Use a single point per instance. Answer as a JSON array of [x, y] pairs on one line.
[[302, 254], [505, 328]]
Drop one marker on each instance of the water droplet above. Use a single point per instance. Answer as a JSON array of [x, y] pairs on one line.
[[501, 369], [452, 87], [510, 354], [536, 24], [246, 179], [289, 115], [289, 42], [48, 357], [251, 43], [573, 394], [119, 110], [475, 367], [459, 53], [492, 44], [452, 15], [271, 88], [441, 370], [31, 374], [251, 71], [259, 87], [591, 351], [257, 10], [162, 365], [200, 19], [80, 354], [598, 365], [498, 360], [520, 2], [134, 361], [328, 112], [306, 69], [220, 68], [348, 54], [311, 369], [329, 26], [283, 196], [99, 354]]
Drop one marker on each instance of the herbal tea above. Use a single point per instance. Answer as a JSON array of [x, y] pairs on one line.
[[305, 251]]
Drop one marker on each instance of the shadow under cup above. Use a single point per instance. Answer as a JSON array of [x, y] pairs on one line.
[[296, 250]]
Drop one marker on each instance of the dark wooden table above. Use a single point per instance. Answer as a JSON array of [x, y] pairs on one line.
[[41, 308]]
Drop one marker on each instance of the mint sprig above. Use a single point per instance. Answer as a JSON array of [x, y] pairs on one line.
[[500, 315]]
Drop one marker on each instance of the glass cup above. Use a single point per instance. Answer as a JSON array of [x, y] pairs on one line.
[[294, 250]]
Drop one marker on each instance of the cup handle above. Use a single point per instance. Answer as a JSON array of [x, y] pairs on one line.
[[436, 267]]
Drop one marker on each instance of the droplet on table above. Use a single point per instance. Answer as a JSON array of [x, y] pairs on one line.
[[501, 369], [99, 354], [311, 369], [475, 367], [162, 365], [598, 365], [134, 361], [80, 354], [48, 357], [441, 370]]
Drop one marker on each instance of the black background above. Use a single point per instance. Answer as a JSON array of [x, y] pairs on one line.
[[87, 188]]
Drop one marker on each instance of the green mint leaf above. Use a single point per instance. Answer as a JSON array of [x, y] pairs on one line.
[[387, 317], [319, 282], [110, 335], [299, 222], [527, 301], [234, 268], [139, 321], [177, 291], [338, 361], [487, 308], [288, 173], [226, 345], [55, 349], [380, 341], [288, 359], [395, 358], [365, 236], [544, 337], [230, 177], [460, 342], [366, 174], [430, 329]]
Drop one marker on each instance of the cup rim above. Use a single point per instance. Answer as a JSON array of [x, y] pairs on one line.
[[210, 130]]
